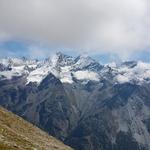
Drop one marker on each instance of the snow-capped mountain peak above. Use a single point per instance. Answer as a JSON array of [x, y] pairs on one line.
[[84, 62], [65, 68]]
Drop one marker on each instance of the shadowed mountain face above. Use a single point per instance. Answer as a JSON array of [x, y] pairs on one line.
[[17, 134], [86, 105]]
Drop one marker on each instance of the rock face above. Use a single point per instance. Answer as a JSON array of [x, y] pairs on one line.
[[86, 105], [16, 133]]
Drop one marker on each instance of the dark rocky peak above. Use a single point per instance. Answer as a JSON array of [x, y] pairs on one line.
[[59, 59], [49, 80], [63, 59]]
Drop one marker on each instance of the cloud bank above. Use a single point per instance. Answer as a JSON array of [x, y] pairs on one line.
[[116, 26]]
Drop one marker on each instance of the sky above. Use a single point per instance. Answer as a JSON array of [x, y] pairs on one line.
[[105, 29]]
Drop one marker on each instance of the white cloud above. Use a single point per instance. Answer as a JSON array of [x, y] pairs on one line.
[[118, 26], [122, 79], [86, 75]]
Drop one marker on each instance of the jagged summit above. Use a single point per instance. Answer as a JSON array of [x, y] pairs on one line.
[[85, 62], [64, 60]]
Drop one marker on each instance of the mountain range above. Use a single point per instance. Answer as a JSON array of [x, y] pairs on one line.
[[85, 104]]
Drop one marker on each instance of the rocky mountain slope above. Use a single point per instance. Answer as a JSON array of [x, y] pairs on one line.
[[85, 104], [17, 134]]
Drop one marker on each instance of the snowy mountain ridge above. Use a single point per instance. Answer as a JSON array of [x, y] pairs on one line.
[[68, 68]]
